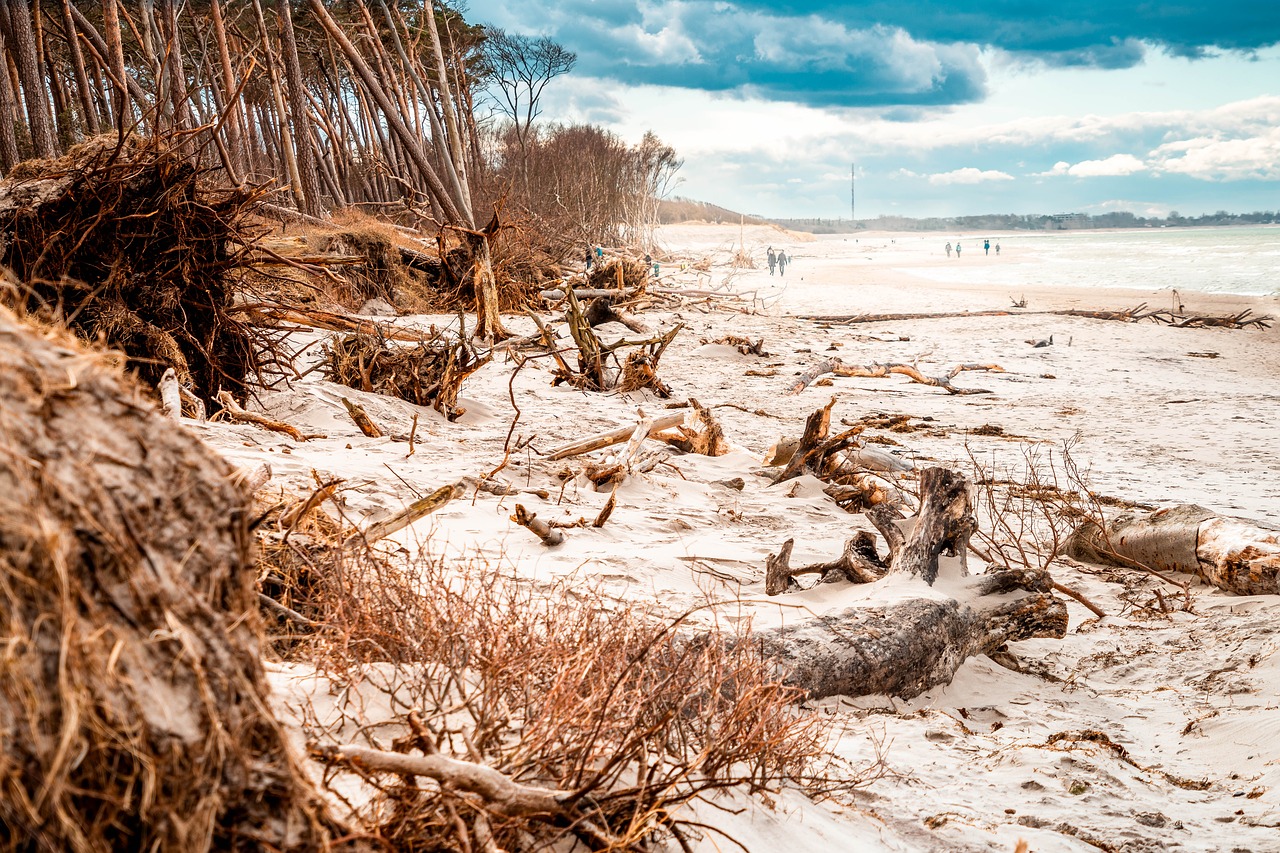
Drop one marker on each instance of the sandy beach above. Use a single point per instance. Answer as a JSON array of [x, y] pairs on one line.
[[1189, 696]]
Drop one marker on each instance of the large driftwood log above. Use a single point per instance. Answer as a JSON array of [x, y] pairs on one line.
[[1238, 555], [877, 371], [907, 648]]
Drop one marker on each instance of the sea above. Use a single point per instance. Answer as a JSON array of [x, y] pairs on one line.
[[1240, 260]]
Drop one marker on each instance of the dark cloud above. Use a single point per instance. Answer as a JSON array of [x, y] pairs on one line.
[[882, 53]]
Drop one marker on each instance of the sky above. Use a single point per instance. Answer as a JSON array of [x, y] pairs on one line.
[[943, 109]]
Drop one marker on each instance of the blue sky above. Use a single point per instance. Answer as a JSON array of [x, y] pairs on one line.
[[1011, 106]]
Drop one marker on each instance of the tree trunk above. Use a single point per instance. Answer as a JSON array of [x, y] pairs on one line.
[[1237, 555], [309, 182], [89, 113], [115, 61], [231, 120], [8, 138], [33, 84]]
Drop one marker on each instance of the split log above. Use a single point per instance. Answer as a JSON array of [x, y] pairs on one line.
[[816, 453], [610, 438], [704, 437], [544, 531], [1238, 555], [944, 524]]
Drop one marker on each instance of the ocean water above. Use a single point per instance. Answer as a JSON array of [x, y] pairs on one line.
[[1244, 260]]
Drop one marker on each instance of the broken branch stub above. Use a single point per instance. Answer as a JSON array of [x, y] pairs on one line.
[[944, 523]]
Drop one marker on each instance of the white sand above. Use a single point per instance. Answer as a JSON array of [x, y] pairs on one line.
[[1196, 695]]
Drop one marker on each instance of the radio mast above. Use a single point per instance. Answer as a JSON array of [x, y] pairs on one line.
[[853, 194]]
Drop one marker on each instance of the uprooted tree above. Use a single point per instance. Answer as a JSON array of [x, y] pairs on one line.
[[133, 703]]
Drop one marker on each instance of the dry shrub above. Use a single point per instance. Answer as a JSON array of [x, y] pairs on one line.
[[383, 275], [426, 374], [613, 273], [132, 696], [558, 686], [129, 244]]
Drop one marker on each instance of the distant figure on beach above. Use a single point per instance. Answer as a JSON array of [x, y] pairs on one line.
[[986, 247], [948, 248], [782, 263], [997, 248], [773, 260], [648, 259], [599, 254], [589, 256], [957, 249]]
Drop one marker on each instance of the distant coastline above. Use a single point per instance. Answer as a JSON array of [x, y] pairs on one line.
[[1027, 222]]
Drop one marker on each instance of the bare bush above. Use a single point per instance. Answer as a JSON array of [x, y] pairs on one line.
[[557, 686]]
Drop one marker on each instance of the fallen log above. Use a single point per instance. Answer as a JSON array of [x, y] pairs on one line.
[[1128, 315], [1238, 555], [420, 508], [905, 649]]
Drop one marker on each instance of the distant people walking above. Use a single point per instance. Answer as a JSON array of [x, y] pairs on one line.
[[782, 263], [948, 251], [957, 250], [590, 255], [986, 247], [773, 260], [997, 248]]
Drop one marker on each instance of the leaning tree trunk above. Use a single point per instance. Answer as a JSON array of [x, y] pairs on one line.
[[1238, 555], [133, 703], [33, 86], [908, 647]]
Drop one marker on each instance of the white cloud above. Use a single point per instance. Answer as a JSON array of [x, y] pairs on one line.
[[1215, 159], [969, 175], [1114, 166]]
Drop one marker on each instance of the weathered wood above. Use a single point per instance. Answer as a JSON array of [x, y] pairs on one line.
[[858, 563], [362, 419], [601, 310], [414, 511], [1237, 555], [529, 521], [612, 437], [905, 649], [234, 411], [944, 523], [704, 437], [1177, 319], [837, 367], [556, 294]]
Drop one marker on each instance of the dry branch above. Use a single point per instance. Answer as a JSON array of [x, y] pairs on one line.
[[530, 521], [875, 370], [234, 411], [362, 419], [428, 374]]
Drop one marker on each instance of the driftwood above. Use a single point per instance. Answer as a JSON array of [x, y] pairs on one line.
[[235, 412], [430, 373], [362, 419], [272, 316], [907, 648], [1237, 555], [839, 368], [612, 437], [528, 520], [420, 508], [601, 310], [704, 436], [858, 563], [1178, 319]]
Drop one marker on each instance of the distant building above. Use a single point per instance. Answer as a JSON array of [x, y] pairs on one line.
[[1062, 221]]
